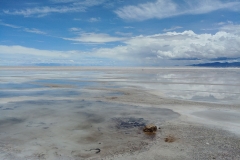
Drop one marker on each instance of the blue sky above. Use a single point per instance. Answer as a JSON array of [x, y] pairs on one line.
[[119, 32]]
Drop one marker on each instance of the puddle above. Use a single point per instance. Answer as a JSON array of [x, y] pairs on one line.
[[19, 86], [61, 92], [129, 123], [57, 92], [64, 82]]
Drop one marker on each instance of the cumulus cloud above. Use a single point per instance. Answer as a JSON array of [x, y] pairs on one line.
[[95, 38], [179, 45], [168, 8], [231, 28]]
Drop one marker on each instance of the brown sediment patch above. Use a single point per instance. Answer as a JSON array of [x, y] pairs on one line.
[[170, 139], [93, 137], [58, 86], [150, 129], [112, 98], [52, 85], [83, 126]]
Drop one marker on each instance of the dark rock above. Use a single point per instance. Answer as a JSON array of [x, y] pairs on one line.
[[150, 128]]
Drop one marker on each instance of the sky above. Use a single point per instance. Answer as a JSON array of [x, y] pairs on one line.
[[119, 32]]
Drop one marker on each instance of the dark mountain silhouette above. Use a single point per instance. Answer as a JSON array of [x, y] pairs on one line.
[[218, 64]]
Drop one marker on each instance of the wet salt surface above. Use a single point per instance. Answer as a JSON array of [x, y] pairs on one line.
[[224, 116], [74, 128], [71, 114], [206, 85]]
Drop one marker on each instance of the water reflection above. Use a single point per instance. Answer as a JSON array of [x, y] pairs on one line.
[[210, 85], [203, 85]]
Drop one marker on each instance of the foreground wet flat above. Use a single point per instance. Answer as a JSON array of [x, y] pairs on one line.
[[100, 113]]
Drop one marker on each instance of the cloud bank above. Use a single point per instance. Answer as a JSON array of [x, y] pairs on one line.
[[179, 45]]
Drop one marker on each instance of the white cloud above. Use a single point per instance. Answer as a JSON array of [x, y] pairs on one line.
[[159, 9], [34, 30], [123, 34], [94, 19], [20, 55], [231, 28], [89, 3], [77, 19], [43, 11], [63, 1], [20, 50], [95, 38], [176, 45], [221, 23], [172, 28], [224, 23], [74, 29], [76, 6], [9, 25], [128, 27], [227, 26], [168, 8]]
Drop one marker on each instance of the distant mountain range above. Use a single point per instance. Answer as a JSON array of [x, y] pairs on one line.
[[214, 64], [218, 64]]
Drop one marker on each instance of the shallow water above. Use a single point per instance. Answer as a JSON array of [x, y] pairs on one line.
[[205, 85], [75, 127], [210, 85], [53, 114]]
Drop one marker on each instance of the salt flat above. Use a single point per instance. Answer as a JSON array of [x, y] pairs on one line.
[[75, 112]]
